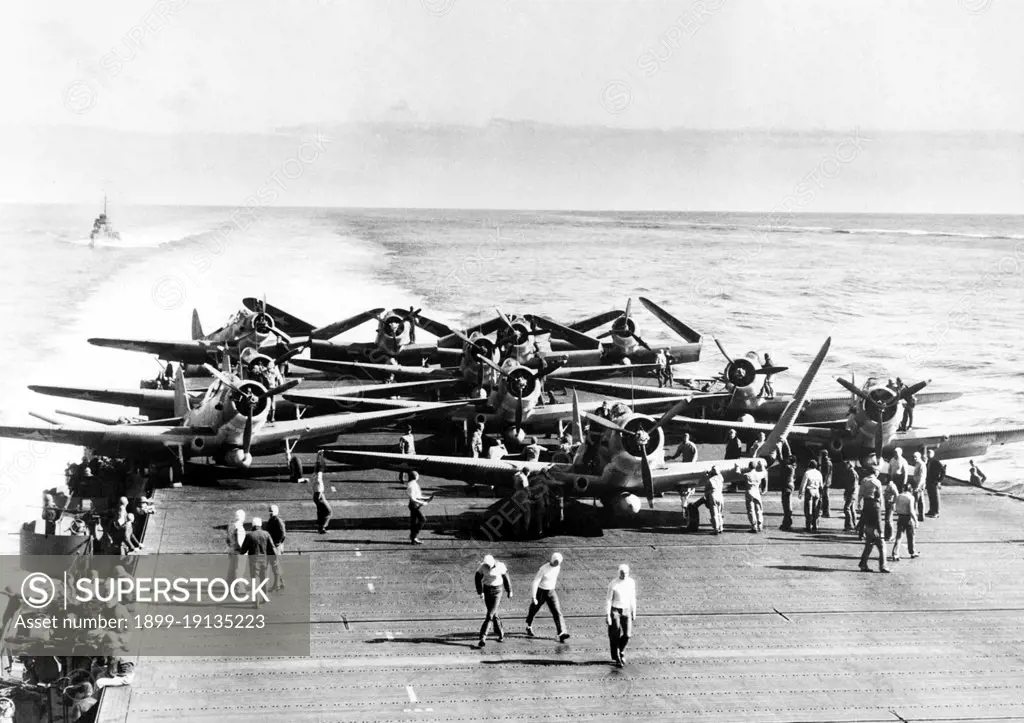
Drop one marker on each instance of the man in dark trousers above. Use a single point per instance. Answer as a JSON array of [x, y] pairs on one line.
[[933, 482], [908, 413], [275, 527], [846, 476], [490, 577], [543, 592], [825, 466], [871, 523], [788, 488], [620, 614], [406, 445], [733, 450], [416, 502], [258, 546]]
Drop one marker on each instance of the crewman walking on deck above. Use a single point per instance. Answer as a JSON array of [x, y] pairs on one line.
[[542, 592], [767, 390], [905, 523], [406, 445], [788, 488], [936, 473], [234, 539], [872, 525], [691, 508], [490, 578], [620, 614], [258, 546], [810, 491], [277, 530], [687, 450], [416, 502], [323, 507]]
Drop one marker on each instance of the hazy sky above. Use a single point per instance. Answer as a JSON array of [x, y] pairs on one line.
[[227, 65]]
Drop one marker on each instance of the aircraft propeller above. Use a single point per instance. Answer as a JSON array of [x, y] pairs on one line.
[[642, 437], [877, 408], [519, 333], [741, 372], [520, 382], [624, 326]]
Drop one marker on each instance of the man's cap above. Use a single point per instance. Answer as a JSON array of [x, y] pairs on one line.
[[273, 509], [239, 515], [624, 568], [898, 451], [556, 558], [489, 560], [414, 475], [257, 522]]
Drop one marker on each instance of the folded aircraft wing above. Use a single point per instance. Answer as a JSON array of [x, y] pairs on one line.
[[497, 473], [331, 425], [638, 391], [114, 439], [806, 432], [142, 398], [957, 443], [290, 325], [365, 371], [189, 352], [595, 371]]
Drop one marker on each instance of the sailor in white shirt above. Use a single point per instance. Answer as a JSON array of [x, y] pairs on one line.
[[542, 591], [416, 501], [620, 613], [234, 538], [490, 577]]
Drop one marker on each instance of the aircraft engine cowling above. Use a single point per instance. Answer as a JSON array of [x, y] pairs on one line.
[[393, 326], [243, 401], [237, 458], [631, 444], [521, 382], [262, 323], [580, 485], [882, 399], [624, 505], [623, 327], [741, 372]]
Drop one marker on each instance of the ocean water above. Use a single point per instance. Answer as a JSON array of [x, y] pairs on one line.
[[921, 297]]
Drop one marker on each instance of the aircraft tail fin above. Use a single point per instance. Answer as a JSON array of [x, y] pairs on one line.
[[197, 327], [789, 415], [687, 333], [182, 404]]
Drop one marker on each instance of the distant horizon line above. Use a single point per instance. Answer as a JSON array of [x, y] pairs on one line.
[[214, 206], [427, 125]]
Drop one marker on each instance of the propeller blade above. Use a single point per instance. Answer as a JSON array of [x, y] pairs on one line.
[[676, 409], [223, 378], [480, 376], [629, 307], [606, 423], [878, 435], [484, 360], [281, 388], [247, 434], [856, 391], [287, 356], [641, 342], [722, 349], [519, 413], [505, 319], [648, 478], [770, 370], [604, 335], [577, 420], [914, 389]]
